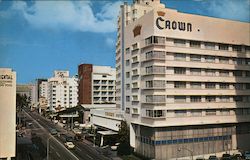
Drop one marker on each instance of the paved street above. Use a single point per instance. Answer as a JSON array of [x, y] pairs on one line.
[[83, 150]]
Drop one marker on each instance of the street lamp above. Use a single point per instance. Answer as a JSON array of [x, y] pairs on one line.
[[190, 151], [48, 146]]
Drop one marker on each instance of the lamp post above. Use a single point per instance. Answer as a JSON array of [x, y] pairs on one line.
[[190, 151], [48, 146]]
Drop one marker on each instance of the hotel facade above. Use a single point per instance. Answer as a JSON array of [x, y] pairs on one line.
[[61, 91], [7, 113], [96, 84], [183, 81]]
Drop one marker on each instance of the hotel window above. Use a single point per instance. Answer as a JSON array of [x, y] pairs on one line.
[[224, 60], [247, 61], [247, 48], [179, 84], [210, 72], [247, 85], [127, 50], [238, 98], [179, 70], [223, 47], [194, 57], [210, 59], [237, 48], [159, 69], [179, 98], [195, 44], [247, 73], [127, 98], [210, 85], [180, 113], [225, 99], [134, 11], [238, 61], [155, 98], [210, 98], [224, 73], [134, 19], [195, 85], [195, 71], [196, 112], [211, 112], [225, 112], [127, 74], [155, 40], [135, 46], [179, 57], [127, 62], [127, 86], [154, 113], [209, 45], [237, 73], [180, 42], [224, 85], [195, 98], [127, 110], [155, 83]]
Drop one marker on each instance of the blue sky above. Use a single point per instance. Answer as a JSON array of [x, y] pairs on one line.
[[37, 37]]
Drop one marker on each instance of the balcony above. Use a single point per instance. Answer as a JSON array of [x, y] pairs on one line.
[[154, 40], [155, 99], [155, 55]]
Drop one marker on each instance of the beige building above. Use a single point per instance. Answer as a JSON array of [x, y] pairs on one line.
[[7, 113], [183, 81]]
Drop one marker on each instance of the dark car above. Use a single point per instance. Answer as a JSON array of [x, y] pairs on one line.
[[213, 157], [69, 139], [226, 157], [53, 131]]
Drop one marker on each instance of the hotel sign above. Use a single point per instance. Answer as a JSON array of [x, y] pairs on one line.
[[5, 80], [171, 25]]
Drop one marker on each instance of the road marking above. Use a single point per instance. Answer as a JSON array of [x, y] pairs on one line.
[[89, 156], [58, 154], [78, 149], [52, 147]]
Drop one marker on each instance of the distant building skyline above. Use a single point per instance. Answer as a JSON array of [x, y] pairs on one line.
[[49, 43]]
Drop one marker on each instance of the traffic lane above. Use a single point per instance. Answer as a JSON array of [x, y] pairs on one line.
[[58, 151], [81, 148], [60, 147]]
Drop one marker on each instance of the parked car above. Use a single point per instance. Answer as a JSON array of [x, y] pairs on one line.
[[200, 158], [77, 131], [213, 157], [226, 157], [53, 131], [69, 145]]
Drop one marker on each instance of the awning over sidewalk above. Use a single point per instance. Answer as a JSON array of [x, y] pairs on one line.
[[105, 133]]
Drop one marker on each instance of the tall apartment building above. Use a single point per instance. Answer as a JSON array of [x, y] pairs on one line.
[[183, 81], [62, 91], [7, 113], [96, 84]]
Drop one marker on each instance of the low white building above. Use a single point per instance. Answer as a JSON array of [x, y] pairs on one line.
[[7, 113]]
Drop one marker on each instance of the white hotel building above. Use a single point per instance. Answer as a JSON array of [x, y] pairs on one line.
[[7, 113], [183, 81], [61, 91]]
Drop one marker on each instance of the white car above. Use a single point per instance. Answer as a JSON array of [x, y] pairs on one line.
[[69, 145], [77, 131]]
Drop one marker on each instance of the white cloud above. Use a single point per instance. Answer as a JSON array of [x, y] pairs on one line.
[[70, 15], [230, 9]]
